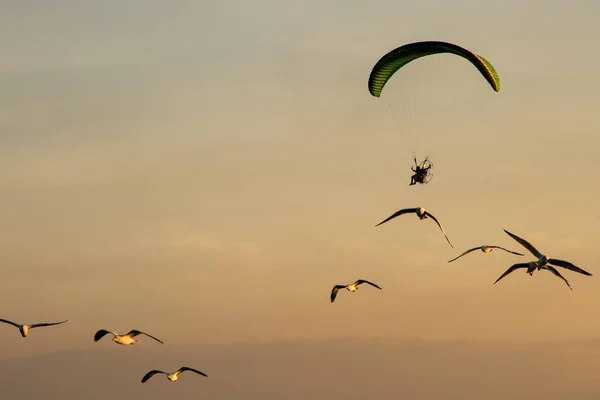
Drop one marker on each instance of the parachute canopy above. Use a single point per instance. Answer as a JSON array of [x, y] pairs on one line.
[[397, 58]]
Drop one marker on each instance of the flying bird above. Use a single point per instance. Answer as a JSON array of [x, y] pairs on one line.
[[531, 266], [353, 287], [128, 338], [485, 249], [172, 377], [543, 260], [24, 329], [421, 213]]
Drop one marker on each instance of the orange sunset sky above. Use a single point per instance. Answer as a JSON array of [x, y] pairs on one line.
[[206, 171]]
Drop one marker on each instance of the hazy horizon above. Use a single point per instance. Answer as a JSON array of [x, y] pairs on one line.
[[353, 369], [206, 172]]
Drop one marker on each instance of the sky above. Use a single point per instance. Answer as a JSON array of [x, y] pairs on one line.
[[207, 171]]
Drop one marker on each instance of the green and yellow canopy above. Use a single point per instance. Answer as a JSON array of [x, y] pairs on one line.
[[397, 58]]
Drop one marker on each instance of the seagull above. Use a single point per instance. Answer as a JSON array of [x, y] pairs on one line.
[[353, 287], [421, 213], [485, 249], [531, 266], [543, 260], [128, 338], [24, 329], [172, 377]]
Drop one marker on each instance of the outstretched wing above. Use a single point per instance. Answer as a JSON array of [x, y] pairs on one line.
[[511, 269], [427, 213], [502, 248], [335, 290], [9, 322], [151, 374], [397, 213], [555, 272], [100, 334], [47, 324], [135, 332], [361, 281], [525, 244], [568, 265], [182, 369], [466, 252]]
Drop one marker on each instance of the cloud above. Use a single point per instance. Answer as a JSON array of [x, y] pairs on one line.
[[173, 238]]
